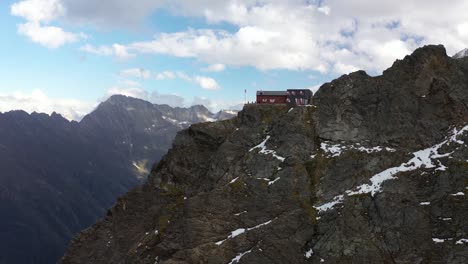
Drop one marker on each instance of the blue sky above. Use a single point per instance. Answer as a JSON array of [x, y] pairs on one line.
[[66, 56]]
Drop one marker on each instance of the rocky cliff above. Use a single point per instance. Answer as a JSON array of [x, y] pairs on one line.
[[374, 172]]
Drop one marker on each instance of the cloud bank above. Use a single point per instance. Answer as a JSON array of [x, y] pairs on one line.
[[324, 36], [38, 101], [204, 82]]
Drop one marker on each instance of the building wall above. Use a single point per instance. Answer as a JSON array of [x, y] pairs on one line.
[[299, 97], [271, 99]]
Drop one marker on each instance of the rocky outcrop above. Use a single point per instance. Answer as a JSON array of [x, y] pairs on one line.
[[400, 107], [374, 172]]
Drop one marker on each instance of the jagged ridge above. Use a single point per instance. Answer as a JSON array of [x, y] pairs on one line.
[[252, 189]]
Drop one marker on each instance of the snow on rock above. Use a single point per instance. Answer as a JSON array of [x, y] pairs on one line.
[[174, 121], [325, 207], [422, 159], [438, 240], [462, 241], [271, 182], [241, 231], [234, 180], [309, 254], [243, 212], [265, 151], [238, 257], [335, 150], [458, 194]]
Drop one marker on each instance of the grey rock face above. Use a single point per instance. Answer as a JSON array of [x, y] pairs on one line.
[[374, 173], [410, 105]]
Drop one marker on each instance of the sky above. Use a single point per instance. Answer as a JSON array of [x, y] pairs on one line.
[[68, 55]]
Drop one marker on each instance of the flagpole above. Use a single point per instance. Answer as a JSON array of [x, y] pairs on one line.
[[245, 96]]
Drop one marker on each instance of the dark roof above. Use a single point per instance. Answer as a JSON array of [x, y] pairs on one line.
[[271, 93]]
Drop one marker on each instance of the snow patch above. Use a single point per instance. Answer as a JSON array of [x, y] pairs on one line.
[[309, 254], [325, 207], [458, 194], [174, 121], [265, 151], [241, 231], [438, 240], [422, 159], [335, 150], [271, 182], [244, 212], [462, 241], [425, 203], [233, 181], [238, 257]]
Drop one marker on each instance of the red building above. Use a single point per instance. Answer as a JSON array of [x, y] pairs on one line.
[[299, 97], [293, 97], [272, 97]]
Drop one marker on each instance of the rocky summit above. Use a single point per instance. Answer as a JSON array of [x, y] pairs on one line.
[[375, 171]]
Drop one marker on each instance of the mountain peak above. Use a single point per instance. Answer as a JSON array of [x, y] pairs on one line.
[[125, 100], [378, 148], [461, 54]]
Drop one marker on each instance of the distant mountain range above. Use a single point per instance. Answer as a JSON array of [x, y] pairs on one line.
[[58, 177]]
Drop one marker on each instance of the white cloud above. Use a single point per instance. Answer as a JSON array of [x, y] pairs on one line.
[[169, 99], [215, 68], [119, 51], [341, 68], [135, 92], [206, 83], [303, 35], [324, 9], [325, 36], [165, 75], [217, 105], [136, 73], [38, 10], [111, 13], [183, 76], [101, 51], [130, 83], [38, 101], [48, 36]]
